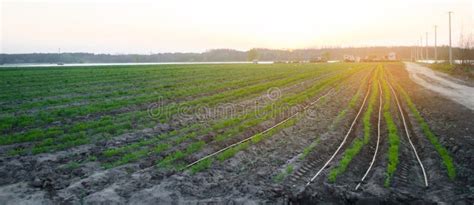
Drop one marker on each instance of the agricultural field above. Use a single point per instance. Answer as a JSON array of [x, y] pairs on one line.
[[231, 133]]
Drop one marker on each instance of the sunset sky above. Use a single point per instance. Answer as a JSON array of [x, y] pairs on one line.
[[142, 26]]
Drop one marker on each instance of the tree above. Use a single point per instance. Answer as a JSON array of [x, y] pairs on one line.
[[252, 54], [466, 48], [326, 56]]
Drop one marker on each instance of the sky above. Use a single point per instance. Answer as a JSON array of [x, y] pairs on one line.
[[153, 26]]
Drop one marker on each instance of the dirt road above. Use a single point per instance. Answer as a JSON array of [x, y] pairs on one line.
[[434, 81]]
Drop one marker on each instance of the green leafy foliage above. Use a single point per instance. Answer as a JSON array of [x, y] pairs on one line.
[[442, 151], [282, 175], [393, 138], [357, 144]]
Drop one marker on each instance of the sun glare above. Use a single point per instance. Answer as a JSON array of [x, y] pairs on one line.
[[200, 25]]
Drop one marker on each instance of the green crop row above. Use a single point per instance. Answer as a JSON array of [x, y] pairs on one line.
[[120, 120], [289, 100], [350, 106], [339, 117], [104, 106], [229, 153], [170, 89], [225, 123], [307, 150], [171, 85], [242, 123], [255, 139], [77, 79], [357, 144], [442, 151], [315, 89], [282, 175], [393, 137]]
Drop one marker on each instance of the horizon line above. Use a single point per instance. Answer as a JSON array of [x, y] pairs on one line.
[[233, 49]]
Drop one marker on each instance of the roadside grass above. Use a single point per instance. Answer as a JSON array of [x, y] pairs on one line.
[[443, 67], [464, 71]]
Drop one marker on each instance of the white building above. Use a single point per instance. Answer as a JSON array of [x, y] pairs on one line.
[[349, 58], [392, 56], [357, 59]]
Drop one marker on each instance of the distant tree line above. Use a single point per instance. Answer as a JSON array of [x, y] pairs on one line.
[[225, 55]]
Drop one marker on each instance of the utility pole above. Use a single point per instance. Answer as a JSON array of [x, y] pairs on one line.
[[426, 51], [421, 48], [435, 51], [416, 52], [450, 48]]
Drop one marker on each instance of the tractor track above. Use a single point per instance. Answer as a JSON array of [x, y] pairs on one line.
[[362, 164], [250, 175], [331, 90], [373, 149], [280, 120], [404, 177], [343, 143], [431, 161], [408, 130], [313, 161]]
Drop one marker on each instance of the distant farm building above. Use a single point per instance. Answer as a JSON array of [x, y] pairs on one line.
[[371, 58], [349, 58], [392, 56], [357, 59]]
